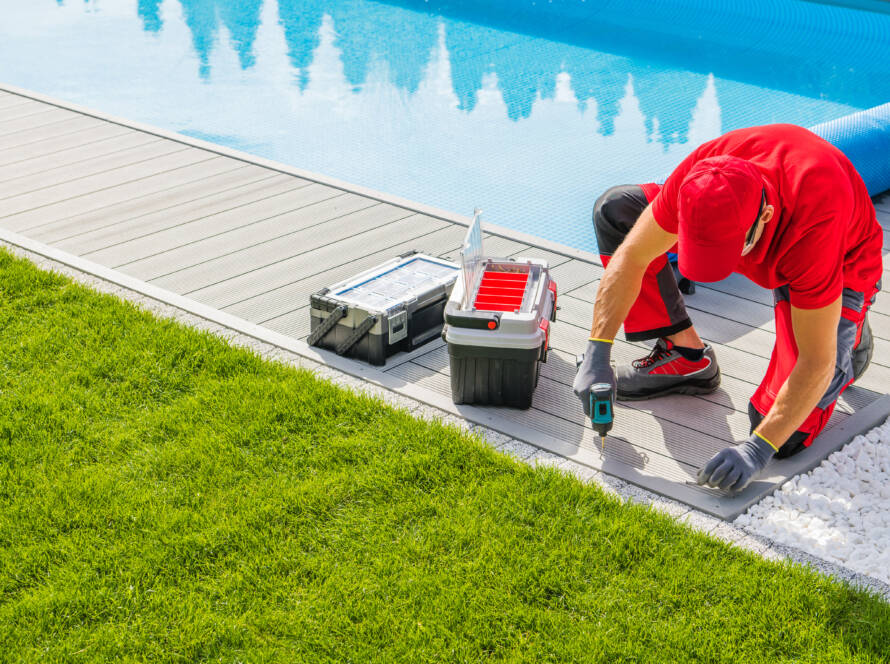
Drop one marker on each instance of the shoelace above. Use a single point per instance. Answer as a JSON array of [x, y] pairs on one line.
[[659, 352]]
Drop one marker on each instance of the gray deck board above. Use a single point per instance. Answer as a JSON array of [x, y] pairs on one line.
[[263, 285], [44, 117], [146, 215], [22, 154], [43, 133], [205, 262], [16, 112], [9, 100], [172, 248], [36, 118], [319, 234], [167, 158], [96, 201], [95, 160], [38, 172], [255, 242]]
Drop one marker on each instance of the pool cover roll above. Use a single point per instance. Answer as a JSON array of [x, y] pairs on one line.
[[865, 138]]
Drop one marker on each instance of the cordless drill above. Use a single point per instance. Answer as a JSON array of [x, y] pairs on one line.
[[601, 413]]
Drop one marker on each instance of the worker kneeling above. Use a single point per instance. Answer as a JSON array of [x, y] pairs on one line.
[[786, 209]]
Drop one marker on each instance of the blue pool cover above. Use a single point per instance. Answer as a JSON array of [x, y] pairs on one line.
[[865, 138]]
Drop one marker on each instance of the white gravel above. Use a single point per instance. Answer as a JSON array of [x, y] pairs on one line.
[[840, 511]]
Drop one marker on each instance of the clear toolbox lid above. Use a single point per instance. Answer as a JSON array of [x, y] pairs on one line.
[[471, 260], [391, 284]]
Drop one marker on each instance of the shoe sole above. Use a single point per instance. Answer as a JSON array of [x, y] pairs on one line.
[[695, 386]]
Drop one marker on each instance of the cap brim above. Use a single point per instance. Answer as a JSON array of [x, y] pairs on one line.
[[707, 263]]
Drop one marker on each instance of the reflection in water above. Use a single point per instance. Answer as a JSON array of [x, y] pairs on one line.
[[431, 108]]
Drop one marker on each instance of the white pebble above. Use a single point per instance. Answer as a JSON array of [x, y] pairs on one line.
[[840, 511]]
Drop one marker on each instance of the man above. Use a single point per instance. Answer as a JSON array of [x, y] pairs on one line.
[[786, 209]]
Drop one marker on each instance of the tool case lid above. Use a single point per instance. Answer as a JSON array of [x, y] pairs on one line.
[[471, 258], [395, 283]]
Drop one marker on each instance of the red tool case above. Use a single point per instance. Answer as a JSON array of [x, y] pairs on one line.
[[497, 326]]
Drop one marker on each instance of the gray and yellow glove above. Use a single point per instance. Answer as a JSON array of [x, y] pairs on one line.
[[596, 367], [733, 469]]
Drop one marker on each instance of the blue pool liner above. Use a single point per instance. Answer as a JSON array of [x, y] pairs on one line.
[[775, 43], [865, 138]]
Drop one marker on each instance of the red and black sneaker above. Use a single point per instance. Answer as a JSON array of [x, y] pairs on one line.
[[668, 369]]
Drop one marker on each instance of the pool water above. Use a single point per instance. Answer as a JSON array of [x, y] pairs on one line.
[[527, 110]]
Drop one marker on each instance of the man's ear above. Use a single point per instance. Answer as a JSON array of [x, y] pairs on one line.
[[767, 215]]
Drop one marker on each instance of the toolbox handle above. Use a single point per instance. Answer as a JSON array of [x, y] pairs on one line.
[[488, 322], [356, 335], [326, 326]]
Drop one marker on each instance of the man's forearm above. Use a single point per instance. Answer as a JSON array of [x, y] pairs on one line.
[[805, 386], [619, 288]]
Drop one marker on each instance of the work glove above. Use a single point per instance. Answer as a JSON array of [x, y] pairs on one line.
[[733, 469], [596, 367]]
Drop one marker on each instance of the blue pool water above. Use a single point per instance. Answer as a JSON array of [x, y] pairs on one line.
[[525, 109]]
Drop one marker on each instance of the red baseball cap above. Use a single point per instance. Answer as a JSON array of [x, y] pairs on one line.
[[718, 202]]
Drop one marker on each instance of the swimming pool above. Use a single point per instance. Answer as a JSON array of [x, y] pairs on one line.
[[527, 110]]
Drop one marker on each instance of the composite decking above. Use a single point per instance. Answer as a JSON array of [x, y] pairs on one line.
[[253, 239]]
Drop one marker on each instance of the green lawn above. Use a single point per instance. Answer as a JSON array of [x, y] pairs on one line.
[[165, 497]]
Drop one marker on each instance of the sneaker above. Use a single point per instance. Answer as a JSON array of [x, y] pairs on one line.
[[666, 371], [863, 352]]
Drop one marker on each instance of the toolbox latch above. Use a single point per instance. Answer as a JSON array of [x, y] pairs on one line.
[[398, 326]]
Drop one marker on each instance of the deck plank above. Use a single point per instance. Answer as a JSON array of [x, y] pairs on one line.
[[43, 133], [318, 231], [23, 154], [8, 100], [18, 208], [166, 250], [60, 168], [55, 164], [573, 274], [20, 111], [31, 117], [145, 215], [191, 266], [26, 222], [45, 118], [676, 467]]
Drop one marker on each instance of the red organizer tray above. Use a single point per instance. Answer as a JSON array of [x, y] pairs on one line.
[[500, 291]]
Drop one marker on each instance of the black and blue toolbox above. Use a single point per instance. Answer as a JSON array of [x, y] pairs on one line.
[[497, 326], [396, 306]]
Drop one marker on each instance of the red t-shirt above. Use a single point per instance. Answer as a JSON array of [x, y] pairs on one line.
[[823, 236]]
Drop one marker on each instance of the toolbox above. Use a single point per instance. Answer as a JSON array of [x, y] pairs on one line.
[[497, 326], [396, 306]]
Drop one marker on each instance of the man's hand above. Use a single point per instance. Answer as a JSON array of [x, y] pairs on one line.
[[733, 469], [596, 368]]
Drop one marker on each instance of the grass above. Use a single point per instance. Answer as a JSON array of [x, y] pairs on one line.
[[166, 497]]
